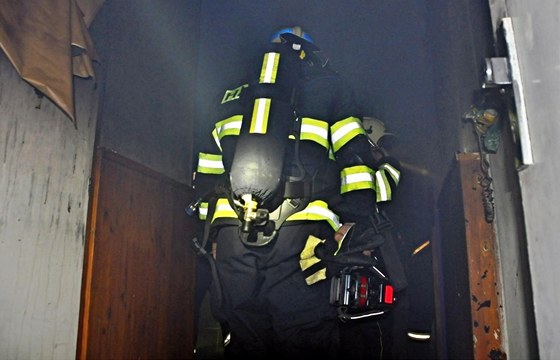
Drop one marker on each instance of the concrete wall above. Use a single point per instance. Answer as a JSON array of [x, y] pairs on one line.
[[536, 28], [148, 58], [45, 166], [148, 53]]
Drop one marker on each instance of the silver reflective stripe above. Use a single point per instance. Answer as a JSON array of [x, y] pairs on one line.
[[359, 178], [317, 210], [226, 127], [356, 178], [223, 210], [203, 210], [395, 174], [344, 131], [419, 336], [259, 122], [210, 164], [353, 178], [382, 187], [315, 130], [269, 68]]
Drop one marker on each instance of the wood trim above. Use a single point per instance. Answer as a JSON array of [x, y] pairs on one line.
[[83, 326], [482, 263], [109, 155]]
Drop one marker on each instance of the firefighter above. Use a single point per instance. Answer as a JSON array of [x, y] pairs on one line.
[[290, 164]]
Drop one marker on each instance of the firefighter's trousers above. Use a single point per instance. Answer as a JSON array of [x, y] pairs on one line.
[[270, 310]]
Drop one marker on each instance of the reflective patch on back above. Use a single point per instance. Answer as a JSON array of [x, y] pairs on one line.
[[233, 94]]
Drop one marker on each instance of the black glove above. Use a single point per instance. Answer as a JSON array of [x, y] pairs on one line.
[[322, 259], [360, 237]]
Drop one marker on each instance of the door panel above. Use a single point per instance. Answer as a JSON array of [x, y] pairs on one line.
[[138, 287], [468, 304]]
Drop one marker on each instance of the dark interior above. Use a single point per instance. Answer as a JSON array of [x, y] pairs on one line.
[[416, 65]]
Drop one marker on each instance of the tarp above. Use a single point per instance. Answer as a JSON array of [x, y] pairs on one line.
[[48, 43]]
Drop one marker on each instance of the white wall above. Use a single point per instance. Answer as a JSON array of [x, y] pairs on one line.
[[45, 164], [536, 26]]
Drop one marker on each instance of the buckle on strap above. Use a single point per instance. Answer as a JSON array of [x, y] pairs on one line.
[[297, 189]]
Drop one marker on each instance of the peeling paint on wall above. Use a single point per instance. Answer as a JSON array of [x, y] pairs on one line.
[[44, 176]]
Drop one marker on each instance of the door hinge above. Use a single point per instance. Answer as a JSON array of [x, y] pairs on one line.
[[506, 72]]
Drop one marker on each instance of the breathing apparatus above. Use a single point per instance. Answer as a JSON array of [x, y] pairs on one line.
[[261, 194]]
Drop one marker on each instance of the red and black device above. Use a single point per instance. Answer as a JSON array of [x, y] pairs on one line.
[[360, 292]]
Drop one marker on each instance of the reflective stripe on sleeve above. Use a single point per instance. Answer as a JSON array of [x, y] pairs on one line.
[[259, 121], [356, 178], [203, 210], [393, 172], [269, 68], [382, 184], [315, 130], [383, 188], [344, 131], [227, 127], [317, 210], [210, 164]]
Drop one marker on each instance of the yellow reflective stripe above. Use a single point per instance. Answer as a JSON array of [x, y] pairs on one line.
[[259, 121], [223, 210], [216, 139], [345, 130], [382, 186], [318, 276], [356, 178], [227, 127], [308, 262], [317, 210], [307, 256], [269, 68], [210, 164], [315, 130], [331, 154], [203, 210], [395, 174]]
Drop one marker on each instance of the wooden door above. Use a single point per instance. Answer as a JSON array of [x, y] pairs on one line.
[[138, 281], [468, 302]]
